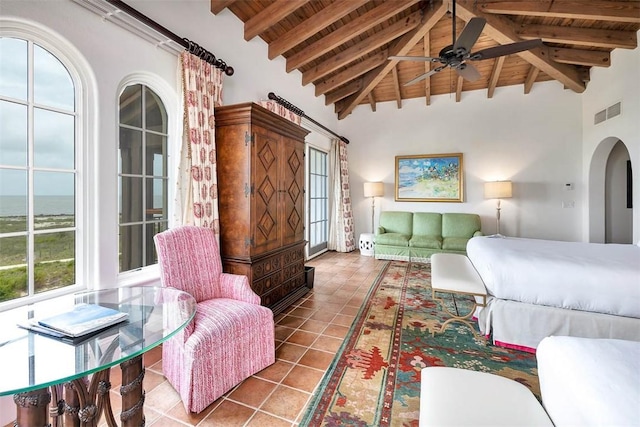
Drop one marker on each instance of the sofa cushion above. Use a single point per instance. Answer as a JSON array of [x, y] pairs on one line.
[[454, 243], [392, 239], [427, 224], [397, 222], [430, 242], [460, 225]]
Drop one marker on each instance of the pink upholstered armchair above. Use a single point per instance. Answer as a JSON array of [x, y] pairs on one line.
[[231, 336]]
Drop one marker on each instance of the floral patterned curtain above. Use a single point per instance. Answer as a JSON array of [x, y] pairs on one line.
[[341, 229], [281, 111], [197, 192]]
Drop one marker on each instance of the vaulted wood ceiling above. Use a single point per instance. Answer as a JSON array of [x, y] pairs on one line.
[[342, 46]]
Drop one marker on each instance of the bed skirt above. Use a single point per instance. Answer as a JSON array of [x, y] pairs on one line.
[[522, 326]]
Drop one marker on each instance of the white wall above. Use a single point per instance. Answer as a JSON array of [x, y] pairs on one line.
[[618, 83], [535, 140]]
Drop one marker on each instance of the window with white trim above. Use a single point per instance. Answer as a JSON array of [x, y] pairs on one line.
[[142, 176], [318, 201], [38, 171]]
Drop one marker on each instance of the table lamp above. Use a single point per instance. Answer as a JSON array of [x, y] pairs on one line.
[[373, 190], [498, 190]]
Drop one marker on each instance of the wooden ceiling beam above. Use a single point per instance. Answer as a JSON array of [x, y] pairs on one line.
[[218, 6], [616, 11], [315, 23], [269, 16], [354, 28], [532, 75], [588, 58], [495, 75], [352, 72], [372, 101], [341, 93], [427, 68], [609, 39], [396, 86], [501, 30], [432, 15], [365, 46]]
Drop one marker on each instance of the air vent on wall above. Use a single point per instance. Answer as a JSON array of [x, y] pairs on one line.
[[608, 113], [614, 110]]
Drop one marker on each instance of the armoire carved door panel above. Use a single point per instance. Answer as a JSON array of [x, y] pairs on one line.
[[266, 190], [292, 191]]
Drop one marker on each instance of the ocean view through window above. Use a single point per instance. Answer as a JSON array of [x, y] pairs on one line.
[[38, 188]]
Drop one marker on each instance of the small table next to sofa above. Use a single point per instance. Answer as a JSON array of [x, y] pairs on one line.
[[409, 236]]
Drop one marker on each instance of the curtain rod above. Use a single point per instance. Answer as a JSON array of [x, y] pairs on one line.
[[193, 47], [289, 106]]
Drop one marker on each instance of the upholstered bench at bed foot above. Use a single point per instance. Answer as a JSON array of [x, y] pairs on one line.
[[454, 274], [459, 397]]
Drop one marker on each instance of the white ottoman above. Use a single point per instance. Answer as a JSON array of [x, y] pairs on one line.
[[459, 397], [366, 244]]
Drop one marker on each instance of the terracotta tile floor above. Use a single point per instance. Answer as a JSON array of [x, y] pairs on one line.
[[308, 334]]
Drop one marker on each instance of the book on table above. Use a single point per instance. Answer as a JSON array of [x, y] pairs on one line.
[[83, 319]]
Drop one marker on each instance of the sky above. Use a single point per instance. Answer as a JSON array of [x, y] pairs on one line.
[[53, 120]]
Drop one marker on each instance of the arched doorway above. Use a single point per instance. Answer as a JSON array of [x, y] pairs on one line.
[[610, 215]]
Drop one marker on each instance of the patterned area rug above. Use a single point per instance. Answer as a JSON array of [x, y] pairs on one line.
[[374, 379]]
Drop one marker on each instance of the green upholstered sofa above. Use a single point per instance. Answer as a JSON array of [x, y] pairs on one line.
[[415, 236]]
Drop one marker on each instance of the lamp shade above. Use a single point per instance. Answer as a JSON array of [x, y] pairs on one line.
[[497, 190], [373, 189]]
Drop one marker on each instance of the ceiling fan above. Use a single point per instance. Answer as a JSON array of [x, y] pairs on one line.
[[457, 55]]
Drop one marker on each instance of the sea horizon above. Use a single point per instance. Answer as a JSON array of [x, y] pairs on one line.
[[12, 206]]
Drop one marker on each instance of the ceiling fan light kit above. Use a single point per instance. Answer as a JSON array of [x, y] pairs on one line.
[[456, 55]]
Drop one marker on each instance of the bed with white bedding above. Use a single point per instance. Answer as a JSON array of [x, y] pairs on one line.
[[590, 382], [537, 288]]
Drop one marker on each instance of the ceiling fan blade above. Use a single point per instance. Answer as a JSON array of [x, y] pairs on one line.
[[507, 49], [470, 34], [415, 58], [468, 72], [423, 76]]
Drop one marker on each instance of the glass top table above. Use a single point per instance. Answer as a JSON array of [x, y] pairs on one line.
[[32, 362]]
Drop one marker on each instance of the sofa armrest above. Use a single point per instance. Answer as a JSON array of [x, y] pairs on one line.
[[478, 233], [380, 230]]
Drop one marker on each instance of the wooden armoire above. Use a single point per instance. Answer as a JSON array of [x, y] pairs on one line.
[[260, 163]]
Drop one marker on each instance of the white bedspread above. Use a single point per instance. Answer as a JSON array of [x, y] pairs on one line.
[[590, 382], [602, 278]]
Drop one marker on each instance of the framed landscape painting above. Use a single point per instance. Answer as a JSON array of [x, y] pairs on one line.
[[429, 178]]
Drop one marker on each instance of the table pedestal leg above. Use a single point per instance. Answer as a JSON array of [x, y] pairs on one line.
[[32, 408], [132, 394], [72, 403]]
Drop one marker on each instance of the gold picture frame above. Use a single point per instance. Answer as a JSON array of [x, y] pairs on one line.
[[429, 178]]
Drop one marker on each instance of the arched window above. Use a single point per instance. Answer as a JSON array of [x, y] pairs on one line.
[[38, 170], [142, 175]]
